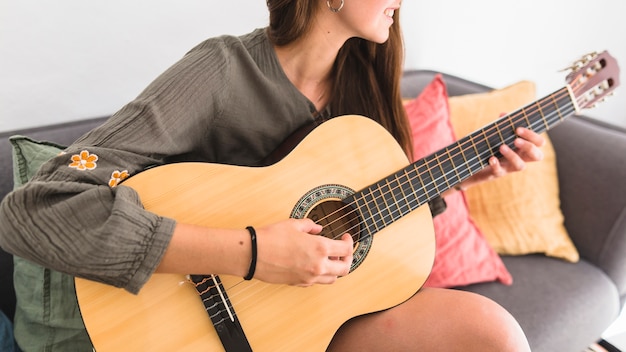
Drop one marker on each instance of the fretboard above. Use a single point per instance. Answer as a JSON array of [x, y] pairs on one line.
[[406, 190]]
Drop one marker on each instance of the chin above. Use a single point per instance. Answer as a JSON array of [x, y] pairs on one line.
[[381, 40], [378, 38]]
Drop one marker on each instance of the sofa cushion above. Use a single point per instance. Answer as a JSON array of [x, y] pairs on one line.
[[47, 305], [519, 213], [561, 306], [29, 155], [463, 256]]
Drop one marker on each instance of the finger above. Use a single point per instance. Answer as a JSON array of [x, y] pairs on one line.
[[343, 247], [496, 167], [339, 266], [513, 159], [527, 150], [530, 136], [309, 226]]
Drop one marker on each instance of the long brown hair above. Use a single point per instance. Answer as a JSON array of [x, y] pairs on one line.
[[366, 75]]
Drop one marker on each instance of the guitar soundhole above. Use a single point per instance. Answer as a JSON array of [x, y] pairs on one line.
[[324, 205], [337, 219]]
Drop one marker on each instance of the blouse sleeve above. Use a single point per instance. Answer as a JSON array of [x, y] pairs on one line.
[[75, 217]]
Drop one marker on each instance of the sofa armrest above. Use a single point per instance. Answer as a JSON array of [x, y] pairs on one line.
[[591, 162]]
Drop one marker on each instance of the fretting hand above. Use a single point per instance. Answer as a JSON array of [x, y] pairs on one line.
[[527, 149]]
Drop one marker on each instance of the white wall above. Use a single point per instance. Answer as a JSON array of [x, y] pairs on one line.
[[71, 59], [497, 42]]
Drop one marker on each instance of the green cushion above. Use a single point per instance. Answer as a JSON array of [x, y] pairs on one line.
[[28, 156], [47, 317]]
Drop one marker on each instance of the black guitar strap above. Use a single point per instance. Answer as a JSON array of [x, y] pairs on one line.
[[221, 312]]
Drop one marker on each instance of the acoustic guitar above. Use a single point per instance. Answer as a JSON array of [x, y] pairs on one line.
[[349, 175]]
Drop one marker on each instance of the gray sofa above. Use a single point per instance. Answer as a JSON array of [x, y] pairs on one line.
[[561, 306]]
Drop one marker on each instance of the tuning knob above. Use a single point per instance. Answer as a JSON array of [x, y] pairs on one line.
[[584, 60]]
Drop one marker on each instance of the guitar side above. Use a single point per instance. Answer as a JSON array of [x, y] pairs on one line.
[[168, 315]]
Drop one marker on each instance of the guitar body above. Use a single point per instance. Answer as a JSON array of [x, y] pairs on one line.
[[168, 314]]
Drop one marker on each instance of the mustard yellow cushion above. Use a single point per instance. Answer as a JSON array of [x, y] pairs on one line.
[[518, 213]]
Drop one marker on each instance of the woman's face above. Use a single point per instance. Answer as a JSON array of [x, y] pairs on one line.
[[368, 19]]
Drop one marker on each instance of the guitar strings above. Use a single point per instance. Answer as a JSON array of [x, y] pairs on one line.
[[550, 118], [364, 222]]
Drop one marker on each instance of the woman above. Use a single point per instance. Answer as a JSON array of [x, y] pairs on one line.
[[233, 100]]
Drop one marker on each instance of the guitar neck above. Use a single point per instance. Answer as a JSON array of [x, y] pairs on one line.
[[406, 190]]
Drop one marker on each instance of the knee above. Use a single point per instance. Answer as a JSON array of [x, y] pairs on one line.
[[493, 328]]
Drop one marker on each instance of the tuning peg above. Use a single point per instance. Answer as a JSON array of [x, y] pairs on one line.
[[578, 64], [572, 67], [590, 56]]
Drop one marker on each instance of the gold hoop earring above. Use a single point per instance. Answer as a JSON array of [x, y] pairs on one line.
[[329, 3]]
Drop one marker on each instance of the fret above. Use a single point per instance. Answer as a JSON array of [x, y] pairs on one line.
[[455, 168], [545, 122], [472, 154], [476, 160], [548, 112], [502, 139], [407, 186], [542, 120], [419, 166], [494, 143], [536, 120], [384, 199], [529, 125], [556, 104], [365, 212], [461, 165], [434, 173], [507, 135], [403, 195], [396, 194], [477, 155], [520, 120], [540, 110], [485, 140], [411, 191], [445, 165], [376, 214], [511, 121], [563, 102], [465, 159]]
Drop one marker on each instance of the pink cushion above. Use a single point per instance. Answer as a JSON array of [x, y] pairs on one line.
[[463, 255]]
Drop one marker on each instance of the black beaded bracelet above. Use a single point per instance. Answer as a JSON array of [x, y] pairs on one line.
[[253, 260]]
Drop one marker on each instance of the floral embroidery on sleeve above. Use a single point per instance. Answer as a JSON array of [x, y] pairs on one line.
[[117, 177], [84, 161]]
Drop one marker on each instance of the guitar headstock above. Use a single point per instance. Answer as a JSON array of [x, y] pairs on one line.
[[594, 77]]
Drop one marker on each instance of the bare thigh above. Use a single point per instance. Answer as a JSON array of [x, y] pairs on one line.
[[434, 320]]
